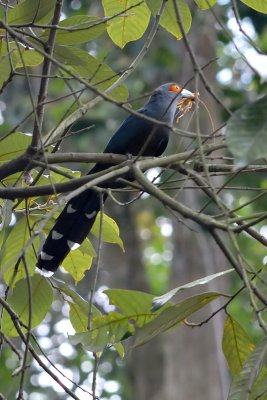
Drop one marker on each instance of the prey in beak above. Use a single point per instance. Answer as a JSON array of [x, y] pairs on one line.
[[186, 102]]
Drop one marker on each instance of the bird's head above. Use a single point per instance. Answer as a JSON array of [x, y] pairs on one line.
[[174, 97]]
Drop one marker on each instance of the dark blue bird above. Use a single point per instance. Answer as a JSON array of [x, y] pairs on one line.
[[136, 136]]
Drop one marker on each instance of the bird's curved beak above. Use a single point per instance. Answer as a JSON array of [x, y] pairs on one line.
[[186, 94]]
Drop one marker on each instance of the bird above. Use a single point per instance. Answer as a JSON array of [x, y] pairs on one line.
[[136, 136]]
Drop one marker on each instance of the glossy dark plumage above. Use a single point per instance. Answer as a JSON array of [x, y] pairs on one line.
[[136, 136]]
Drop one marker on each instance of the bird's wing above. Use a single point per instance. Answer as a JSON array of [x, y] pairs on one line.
[[130, 136]]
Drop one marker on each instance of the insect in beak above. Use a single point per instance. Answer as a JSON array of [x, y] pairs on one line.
[[186, 103]]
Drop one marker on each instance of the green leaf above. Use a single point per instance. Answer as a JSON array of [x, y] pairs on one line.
[[258, 5], [6, 213], [11, 251], [130, 27], [259, 390], [105, 329], [41, 300], [5, 70], [120, 349], [134, 305], [31, 58], [110, 230], [29, 11], [57, 177], [243, 383], [172, 316], [88, 67], [131, 302], [13, 146], [68, 291], [168, 19], [80, 306], [77, 263], [8, 58], [205, 4], [236, 344], [246, 132], [161, 300], [94, 343], [87, 248], [20, 56], [78, 318], [83, 28]]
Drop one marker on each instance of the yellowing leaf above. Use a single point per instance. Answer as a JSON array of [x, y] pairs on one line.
[[77, 263], [236, 344], [258, 5], [168, 18], [205, 4], [129, 27], [110, 230]]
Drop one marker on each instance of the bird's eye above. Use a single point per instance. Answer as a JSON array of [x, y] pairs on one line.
[[175, 88]]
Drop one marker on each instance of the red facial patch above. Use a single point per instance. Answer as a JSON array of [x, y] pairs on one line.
[[175, 88]]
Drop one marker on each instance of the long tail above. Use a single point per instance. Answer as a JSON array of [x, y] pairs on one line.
[[70, 230]]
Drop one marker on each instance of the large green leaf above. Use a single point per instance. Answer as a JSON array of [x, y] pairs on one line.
[[90, 68], [236, 344], [28, 11], [161, 300], [173, 315], [246, 132], [41, 300], [11, 251], [83, 28], [13, 146], [243, 383], [258, 5], [205, 4], [129, 27], [110, 230], [168, 19]]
